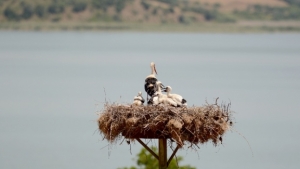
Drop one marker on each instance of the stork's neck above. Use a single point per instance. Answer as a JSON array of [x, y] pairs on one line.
[[152, 71], [159, 88], [160, 96], [168, 93]]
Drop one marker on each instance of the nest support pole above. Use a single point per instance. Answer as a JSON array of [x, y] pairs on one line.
[[147, 148], [162, 152], [174, 152]]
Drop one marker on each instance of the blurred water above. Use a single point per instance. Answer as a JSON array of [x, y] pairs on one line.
[[52, 83]]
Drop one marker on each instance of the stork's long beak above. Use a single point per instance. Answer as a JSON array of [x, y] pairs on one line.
[[155, 69], [164, 89]]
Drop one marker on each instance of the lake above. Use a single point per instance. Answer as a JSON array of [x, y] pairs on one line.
[[54, 84]]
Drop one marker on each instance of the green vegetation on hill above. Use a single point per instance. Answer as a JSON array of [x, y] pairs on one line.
[[159, 11], [155, 12], [260, 12], [293, 2]]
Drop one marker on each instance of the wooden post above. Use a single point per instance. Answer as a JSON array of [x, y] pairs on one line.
[[162, 157], [147, 148], [162, 154], [173, 154]]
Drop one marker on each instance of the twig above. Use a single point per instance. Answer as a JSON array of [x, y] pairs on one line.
[[245, 139], [105, 94], [104, 147], [130, 149], [217, 101], [122, 141]]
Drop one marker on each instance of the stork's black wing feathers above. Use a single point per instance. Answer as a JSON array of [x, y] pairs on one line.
[[150, 102], [142, 100], [150, 86], [183, 101]]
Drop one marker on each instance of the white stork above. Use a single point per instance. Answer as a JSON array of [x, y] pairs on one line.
[[165, 100], [154, 98], [150, 81], [176, 97], [158, 97], [138, 100]]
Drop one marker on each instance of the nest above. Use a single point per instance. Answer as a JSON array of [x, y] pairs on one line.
[[196, 125]]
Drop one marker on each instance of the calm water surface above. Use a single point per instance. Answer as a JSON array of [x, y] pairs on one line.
[[53, 83]]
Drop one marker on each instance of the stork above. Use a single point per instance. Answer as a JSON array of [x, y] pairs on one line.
[[154, 98], [165, 100], [158, 97], [176, 97], [138, 100], [150, 81]]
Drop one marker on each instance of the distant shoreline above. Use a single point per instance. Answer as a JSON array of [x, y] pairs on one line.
[[213, 27]]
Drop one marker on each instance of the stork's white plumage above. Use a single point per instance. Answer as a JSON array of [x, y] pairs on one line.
[[176, 97], [154, 99], [159, 98], [163, 99], [138, 100]]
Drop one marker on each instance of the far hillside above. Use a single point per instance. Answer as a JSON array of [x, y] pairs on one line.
[[148, 11], [160, 15]]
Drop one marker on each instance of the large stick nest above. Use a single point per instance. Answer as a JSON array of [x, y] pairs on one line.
[[195, 125]]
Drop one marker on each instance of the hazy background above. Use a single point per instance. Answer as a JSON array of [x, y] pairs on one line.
[[52, 85], [152, 15]]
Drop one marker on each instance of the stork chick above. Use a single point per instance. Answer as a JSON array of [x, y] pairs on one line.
[[176, 97], [138, 100]]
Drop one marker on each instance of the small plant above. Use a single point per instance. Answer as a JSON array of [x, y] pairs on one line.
[[79, 6], [120, 5], [184, 19], [171, 2], [10, 14], [27, 11], [40, 11], [145, 4], [56, 8]]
